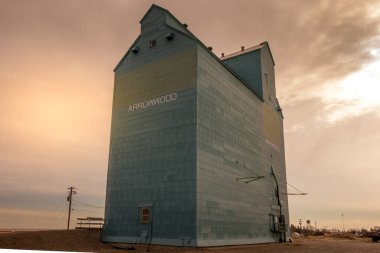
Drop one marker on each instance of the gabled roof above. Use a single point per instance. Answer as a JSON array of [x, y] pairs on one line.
[[250, 49], [150, 10], [154, 6], [193, 37], [126, 54]]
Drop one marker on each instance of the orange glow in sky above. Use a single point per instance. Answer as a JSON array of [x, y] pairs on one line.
[[56, 85]]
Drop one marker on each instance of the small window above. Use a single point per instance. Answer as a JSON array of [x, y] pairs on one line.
[[145, 218], [152, 43], [266, 79]]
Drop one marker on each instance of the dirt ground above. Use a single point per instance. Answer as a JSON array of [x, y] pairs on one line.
[[88, 241]]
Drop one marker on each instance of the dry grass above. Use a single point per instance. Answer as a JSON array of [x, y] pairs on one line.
[[88, 241]]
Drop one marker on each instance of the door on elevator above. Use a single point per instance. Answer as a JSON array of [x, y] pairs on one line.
[[144, 232]]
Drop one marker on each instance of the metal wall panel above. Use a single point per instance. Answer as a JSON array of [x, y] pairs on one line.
[[248, 67], [180, 156], [236, 133], [152, 159]]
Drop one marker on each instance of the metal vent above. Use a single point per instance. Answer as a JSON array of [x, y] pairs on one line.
[[169, 36]]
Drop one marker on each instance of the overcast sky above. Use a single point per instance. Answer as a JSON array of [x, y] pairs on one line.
[[56, 84]]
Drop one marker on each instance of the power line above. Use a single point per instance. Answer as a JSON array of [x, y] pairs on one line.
[[299, 191], [86, 210], [56, 214], [256, 177], [83, 203], [248, 179]]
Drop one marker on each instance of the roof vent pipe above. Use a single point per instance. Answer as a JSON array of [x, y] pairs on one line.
[[210, 48], [185, 25], [222, 54], [242, 48]]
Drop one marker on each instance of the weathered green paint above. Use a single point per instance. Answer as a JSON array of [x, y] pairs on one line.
[[178, 158]]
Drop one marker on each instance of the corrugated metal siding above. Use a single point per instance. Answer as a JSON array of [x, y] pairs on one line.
[[179, 158], [153, 150], [234, 125], [248, 68]]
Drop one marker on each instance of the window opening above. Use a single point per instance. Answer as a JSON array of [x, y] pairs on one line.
[[152, 43], [266, 79], [145, 217]]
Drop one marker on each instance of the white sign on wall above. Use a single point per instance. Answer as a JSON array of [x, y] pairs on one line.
[[153, 102]]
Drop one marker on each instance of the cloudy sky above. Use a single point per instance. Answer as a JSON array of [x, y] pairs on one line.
[[56, 84]]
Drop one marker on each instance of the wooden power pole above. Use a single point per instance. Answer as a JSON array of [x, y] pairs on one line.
[[69, 199]]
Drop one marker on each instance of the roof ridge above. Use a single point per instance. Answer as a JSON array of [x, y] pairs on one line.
[[192, 36], [150, 9], [243, 51], [248, 50]]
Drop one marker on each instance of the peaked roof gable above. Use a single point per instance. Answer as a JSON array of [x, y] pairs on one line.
[[126, 54], [170, 20], [250, 49], [150, 10], [184, 31]]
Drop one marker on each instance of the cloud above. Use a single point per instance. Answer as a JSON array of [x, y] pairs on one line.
[[328, 41], [56, 82], [333, 60], [295, 128], [337, 166], [357, 94], [315, 43]]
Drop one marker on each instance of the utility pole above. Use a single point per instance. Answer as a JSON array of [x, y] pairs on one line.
[[300, 222], [69, 199]]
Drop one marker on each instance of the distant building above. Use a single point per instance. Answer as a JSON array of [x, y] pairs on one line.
[[197, 144]]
